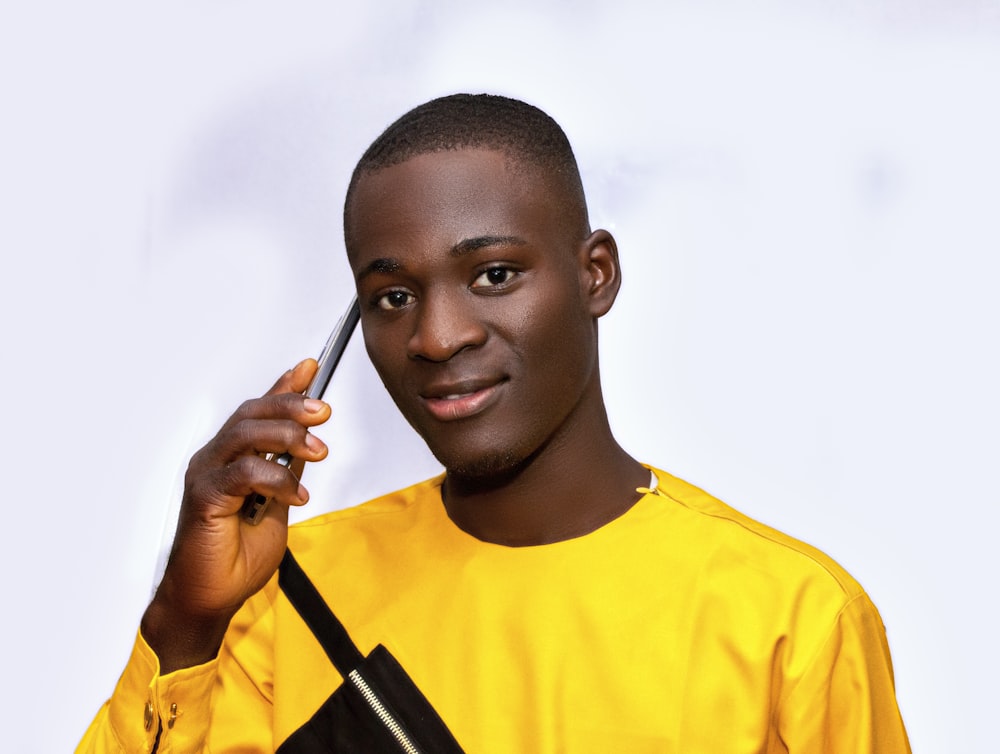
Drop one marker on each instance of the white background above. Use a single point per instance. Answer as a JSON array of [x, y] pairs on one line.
[[805, 195]]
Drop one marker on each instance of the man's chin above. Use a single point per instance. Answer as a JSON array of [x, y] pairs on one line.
[[485, 470]]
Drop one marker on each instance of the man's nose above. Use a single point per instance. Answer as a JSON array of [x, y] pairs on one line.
[[446, 323]]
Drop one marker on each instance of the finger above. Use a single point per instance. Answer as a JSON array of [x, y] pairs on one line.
[[270, 436], [277, 512], [296, 379], [307, 412], [226, 488], [257, 437]]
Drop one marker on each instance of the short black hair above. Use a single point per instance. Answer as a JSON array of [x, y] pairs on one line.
[[524, 133]]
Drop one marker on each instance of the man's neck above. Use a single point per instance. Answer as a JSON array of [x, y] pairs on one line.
[[562, 494]]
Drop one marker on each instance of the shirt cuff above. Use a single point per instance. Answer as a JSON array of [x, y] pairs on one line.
[[177, 705]]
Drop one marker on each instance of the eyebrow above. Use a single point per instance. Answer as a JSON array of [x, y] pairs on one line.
[[384, 265], [389, 265], [482, 242]]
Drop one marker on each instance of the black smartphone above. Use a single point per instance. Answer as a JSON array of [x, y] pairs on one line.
[[255, 503]]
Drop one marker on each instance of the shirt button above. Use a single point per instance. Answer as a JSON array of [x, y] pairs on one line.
[[147, 715]]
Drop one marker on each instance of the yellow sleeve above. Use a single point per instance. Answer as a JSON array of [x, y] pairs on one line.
[[218, 706], [845, 703], [144, 703]]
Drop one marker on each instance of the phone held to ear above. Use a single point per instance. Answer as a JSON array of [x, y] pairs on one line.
[[255, 503]]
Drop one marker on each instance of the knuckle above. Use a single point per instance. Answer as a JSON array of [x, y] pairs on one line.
[[247, 407], [246, 433], [254, 471]]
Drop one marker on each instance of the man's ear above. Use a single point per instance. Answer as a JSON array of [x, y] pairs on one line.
[[600, 274]]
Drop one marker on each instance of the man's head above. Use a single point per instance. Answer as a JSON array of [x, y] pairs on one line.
[[480, 282]]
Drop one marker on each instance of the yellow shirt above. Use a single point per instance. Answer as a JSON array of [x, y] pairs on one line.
[[680, 627]]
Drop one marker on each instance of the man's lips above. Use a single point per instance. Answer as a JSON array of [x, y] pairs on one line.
[[460, 400]]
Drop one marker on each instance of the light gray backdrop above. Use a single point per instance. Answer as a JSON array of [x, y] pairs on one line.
[[804, 193]]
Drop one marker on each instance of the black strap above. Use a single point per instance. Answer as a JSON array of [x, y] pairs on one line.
[[317, 615]]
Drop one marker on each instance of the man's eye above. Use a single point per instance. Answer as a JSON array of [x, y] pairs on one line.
[[493, 276], [394, 300]]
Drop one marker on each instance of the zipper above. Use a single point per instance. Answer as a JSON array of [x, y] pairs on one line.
[[391, 724]]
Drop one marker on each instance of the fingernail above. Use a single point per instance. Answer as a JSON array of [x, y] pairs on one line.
[[314, 443], [303, 494], [312, 405]]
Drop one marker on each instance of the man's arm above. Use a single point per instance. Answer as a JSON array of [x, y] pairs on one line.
[[846, 701], [217, 562]]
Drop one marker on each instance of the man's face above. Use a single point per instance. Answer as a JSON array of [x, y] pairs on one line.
[[472, 278]]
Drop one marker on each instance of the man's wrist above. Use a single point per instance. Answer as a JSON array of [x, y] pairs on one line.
[[181, 640]]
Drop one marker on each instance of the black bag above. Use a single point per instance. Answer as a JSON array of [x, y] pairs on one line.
[[377, 709]]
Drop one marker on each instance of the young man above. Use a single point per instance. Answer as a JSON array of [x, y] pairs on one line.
[[547, 592]]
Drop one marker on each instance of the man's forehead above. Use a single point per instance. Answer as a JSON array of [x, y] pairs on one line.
[[458, 194], [446, 182]]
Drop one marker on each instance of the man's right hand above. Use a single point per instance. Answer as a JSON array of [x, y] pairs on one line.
[[218, 559]]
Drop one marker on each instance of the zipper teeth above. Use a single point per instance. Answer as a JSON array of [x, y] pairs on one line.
[[383, 714]]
